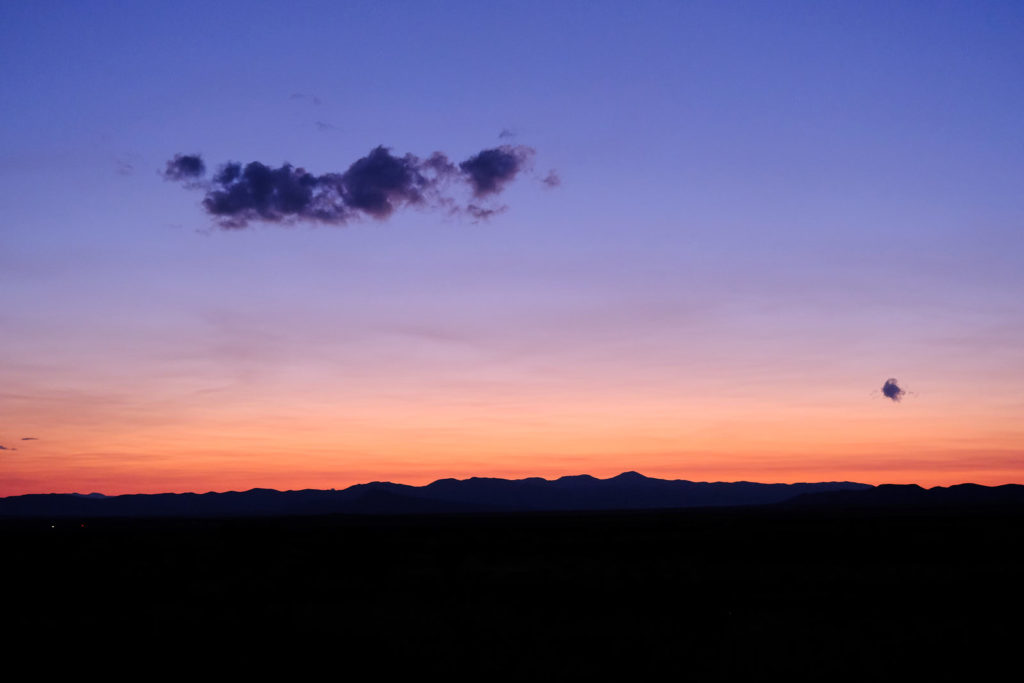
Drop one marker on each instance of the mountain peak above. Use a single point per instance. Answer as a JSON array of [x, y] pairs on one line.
[[629, 476]]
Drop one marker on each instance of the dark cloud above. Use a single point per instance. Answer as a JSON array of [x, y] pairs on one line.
[[29, 438], [892, 390], [258, 192], [379, 182], [506, 134], [5, 448], [376, 185], [490, 170], [185, 167]]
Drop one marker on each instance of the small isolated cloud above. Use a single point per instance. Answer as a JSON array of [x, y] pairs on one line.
[[892, 390], [29, 438], [552, 179], [5, 448], [376, 185], [185, 167], [325, 126], [506, 134]]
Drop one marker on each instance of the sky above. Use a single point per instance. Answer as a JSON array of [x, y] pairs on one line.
[[726, 227]]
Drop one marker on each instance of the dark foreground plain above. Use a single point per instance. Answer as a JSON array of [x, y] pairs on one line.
[[703, 594]]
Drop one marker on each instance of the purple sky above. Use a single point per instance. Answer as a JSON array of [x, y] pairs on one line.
[[766, 210]]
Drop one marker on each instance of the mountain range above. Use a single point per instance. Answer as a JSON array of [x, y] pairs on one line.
[[627, 491]]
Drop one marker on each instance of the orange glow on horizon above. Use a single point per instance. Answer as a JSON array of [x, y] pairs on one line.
[[216, 442]]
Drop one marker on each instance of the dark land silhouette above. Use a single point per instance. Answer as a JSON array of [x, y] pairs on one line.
[[864, 583], [626, 491]]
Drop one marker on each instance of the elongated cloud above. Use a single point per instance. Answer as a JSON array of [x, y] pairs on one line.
[[376, 185], [892, 390]]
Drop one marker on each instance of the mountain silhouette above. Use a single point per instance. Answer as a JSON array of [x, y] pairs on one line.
[[907, 495], [626, 491]]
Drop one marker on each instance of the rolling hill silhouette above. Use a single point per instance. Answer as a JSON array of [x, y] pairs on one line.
[[627, 491], [907, 495]]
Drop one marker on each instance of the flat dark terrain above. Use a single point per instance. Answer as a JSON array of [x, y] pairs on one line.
[[715, 594]]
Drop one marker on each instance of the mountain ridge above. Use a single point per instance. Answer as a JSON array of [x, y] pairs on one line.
[[626, 491]]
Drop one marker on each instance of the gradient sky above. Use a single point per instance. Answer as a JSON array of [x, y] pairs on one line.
[[766, 210]]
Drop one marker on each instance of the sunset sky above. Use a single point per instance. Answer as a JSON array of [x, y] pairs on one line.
[[765, 211]]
